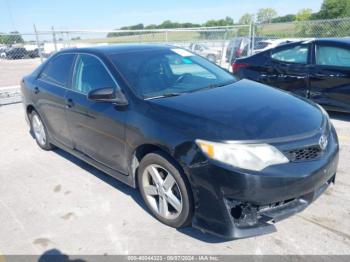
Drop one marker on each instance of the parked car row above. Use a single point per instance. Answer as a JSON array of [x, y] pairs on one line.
[[12, 53], [317, 69], [239, 46]]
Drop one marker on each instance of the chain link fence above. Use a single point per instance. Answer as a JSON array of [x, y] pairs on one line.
[[306, 29], [273, 34], [20, 53], [210, 42]]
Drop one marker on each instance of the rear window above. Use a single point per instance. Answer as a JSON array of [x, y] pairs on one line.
[[295, 54], [58, 69]]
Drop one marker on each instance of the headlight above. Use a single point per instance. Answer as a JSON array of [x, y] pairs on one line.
[[247, 156], [324, 112]]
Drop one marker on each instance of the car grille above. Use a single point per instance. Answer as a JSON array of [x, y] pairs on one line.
[[304, 154]]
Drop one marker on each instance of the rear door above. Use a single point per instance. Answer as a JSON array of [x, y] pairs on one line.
[[288, 68], [330, 75], [97, 128], [49, 95]]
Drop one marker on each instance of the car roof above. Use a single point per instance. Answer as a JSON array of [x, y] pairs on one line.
[[345, 40], [118, 48]]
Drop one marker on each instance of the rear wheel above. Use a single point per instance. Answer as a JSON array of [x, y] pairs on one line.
[[39, 131], [165, 190]]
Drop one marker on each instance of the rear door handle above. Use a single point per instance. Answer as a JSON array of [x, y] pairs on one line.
[[69, 103], [36, 90]]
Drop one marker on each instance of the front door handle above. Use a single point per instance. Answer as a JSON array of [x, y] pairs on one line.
[[319, 75], [36, 90], [69, 103]]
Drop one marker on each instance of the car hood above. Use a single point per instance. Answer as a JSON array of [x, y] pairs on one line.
[[245, 110]]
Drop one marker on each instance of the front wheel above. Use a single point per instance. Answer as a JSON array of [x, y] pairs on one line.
[[165, 190]]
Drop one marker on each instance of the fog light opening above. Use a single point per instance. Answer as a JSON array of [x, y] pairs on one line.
[[236, 212]]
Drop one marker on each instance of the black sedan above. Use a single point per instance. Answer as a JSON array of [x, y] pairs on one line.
[[318, 70], [15, 53], [227, 157]]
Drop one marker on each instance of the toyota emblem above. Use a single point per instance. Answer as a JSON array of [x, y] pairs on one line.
[[323, 142]]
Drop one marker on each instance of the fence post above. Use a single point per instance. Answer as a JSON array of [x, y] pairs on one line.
[[251, 44], [54, 38], [253, 35], [38, 43], [67, 39], [166, 36], [223, 54]]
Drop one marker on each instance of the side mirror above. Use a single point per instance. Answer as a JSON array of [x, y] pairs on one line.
[[108, 94]]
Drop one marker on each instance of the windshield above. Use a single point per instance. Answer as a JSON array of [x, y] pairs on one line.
[[169, 72]]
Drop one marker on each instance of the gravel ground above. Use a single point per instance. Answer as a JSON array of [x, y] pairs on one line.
[[12, 71]]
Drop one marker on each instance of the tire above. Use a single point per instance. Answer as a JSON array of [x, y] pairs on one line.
[[211, 58], [39, 131], [176, 215]]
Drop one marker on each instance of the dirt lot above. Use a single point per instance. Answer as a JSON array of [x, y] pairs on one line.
[[53, 200]]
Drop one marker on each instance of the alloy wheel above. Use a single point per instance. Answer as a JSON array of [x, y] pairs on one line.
[[162, 192], [39, 130]]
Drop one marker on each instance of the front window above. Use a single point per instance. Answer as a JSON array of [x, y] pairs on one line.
[[169, 72], [332, 56], [90, 74]]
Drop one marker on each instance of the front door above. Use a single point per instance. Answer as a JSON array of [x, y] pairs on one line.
[[97, 127], [330, 76]]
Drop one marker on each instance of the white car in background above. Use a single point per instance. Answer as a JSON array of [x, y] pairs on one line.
[[211, 54]]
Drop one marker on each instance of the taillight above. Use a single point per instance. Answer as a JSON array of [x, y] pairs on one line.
[[238, 65]]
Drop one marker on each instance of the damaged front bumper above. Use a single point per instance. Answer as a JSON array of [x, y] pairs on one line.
[[249, 220], [233, 203]]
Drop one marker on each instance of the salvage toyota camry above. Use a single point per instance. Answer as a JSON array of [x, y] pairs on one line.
[[228, 157]]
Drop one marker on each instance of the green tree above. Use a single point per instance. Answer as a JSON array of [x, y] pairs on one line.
[[167, 24], [284, 19], [303, 14], [265, 15], [221, 22], [229, 20], [152, 26], [246, 19], [334, 9], [12, 38], [133, 27]]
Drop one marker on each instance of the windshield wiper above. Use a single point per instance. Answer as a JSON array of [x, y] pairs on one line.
[[215, 86], [165, 95], [200, 89]]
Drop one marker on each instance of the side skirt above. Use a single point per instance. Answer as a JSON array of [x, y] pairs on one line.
[[127, 179]]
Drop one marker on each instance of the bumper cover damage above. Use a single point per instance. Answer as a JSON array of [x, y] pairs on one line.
[[249, 219]]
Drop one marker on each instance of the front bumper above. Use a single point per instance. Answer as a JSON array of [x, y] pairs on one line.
[[237, 203]]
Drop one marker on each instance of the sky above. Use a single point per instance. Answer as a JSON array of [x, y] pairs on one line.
[[20, 15]]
